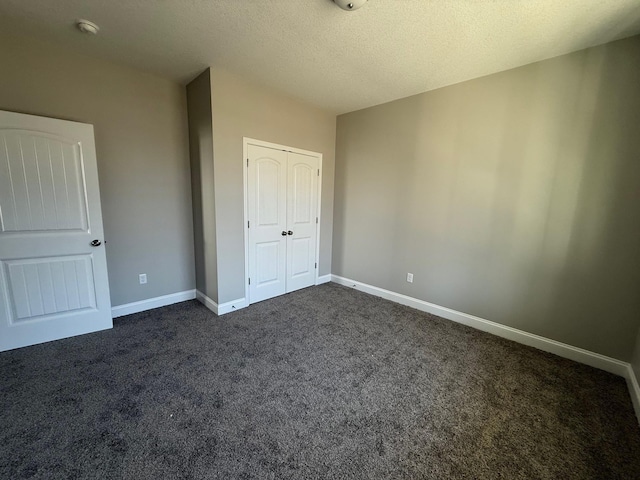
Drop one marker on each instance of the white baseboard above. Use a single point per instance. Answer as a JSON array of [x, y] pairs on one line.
[[221, 309], [150, 303], [207, 302], [634, 390], [580, 355], [232, 306], [323, 279]]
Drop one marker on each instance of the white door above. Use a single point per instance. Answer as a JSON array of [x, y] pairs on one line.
[[267, 205], [53, 269], [302, 196], [282, 208]]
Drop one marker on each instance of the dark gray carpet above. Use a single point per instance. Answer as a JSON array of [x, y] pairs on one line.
[[323, 383]]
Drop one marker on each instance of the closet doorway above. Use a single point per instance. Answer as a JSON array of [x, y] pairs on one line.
[[282, 218]]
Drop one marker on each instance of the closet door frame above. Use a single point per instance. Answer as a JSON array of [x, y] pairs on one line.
[[246, 141]]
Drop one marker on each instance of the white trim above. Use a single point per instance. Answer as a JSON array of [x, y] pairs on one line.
[[580, 355], [232, 306], [207, 302], [223, 307], [323, 279], [634, 390], [277, 146], [246, 141], [245, 212], [319, 217], [150, 303]]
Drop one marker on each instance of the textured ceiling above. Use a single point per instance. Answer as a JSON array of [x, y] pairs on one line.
[[313, 50]]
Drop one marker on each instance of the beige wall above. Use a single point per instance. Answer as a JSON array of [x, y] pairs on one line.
[[242, 109], [141, 141], [513, 197], [202, 184]]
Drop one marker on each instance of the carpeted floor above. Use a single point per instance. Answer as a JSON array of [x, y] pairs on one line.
[[325, 383]]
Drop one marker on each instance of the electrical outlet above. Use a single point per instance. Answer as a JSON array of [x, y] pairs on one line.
[[143, 278], [410, 277]]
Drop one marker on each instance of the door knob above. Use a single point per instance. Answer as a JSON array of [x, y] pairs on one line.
[[96, 243], [284, 234], [289, 232]]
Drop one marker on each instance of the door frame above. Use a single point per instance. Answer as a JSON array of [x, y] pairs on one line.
[[246, 141]]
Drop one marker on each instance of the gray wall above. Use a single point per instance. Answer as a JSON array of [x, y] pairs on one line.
[[513, 197], [141, 141], [242, 109], [202, 184]]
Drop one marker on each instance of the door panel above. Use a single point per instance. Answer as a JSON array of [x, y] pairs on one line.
[[302, 193], [267, 174], [53, 283], [300, 250], [302, 196], [267, 263], [50, 285], [41, 184]]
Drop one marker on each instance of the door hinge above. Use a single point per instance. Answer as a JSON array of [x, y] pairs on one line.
[[248, 224], [249, 280], [316, 265], [318, 172], [316, 219], [247, 162]]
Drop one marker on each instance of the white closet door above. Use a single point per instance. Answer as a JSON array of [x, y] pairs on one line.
[[53, 269], [302, 199], [267, 209], [282, 204]]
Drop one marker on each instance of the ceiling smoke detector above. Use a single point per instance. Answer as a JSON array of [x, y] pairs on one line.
[[350, 5], [85, 26]]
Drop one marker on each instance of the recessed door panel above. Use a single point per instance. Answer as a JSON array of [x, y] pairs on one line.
[[269, 194], [49, 286], [41, 183], [267, 263], [300, 252], [302, 184]]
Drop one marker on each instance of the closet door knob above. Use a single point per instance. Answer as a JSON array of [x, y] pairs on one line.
[[284, 234], [289, 232]]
